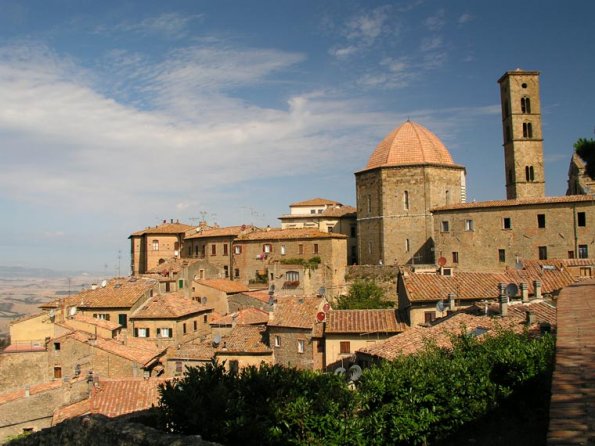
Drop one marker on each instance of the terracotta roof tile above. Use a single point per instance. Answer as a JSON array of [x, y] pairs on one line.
[[289, 234], [295, 312], [173, 265], [315, 202], [410, 143], [363, 321], [118, 293], [169, 306], [33, 390], [100, 323], [227, 286], [164, 228], [517, 202], [229, 231], [441, 333], [261, 295], [341, 211], [247, 316]]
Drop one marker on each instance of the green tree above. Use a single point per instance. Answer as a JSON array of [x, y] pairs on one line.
[[363, 294], [585, 148]]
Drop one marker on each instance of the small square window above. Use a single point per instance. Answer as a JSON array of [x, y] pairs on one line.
[[455, 257], [300, 249], [195, 323], [583, 252], [236, 273], [468, 225], [277, 341], [541, 221], [300, 346], [506, 223], [571, 254], [542, 253], [283, 250], [444, 226], [237, 249], [225, 248], [56, 346], [502, 255], [179, 367], [581, 218], [345, 347], [315, 248], [213, 249], [267, 248]]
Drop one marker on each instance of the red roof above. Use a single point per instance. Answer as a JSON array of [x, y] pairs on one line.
[[363, 321], [517, 202], [247, 316], [295, 312], [164, 228]]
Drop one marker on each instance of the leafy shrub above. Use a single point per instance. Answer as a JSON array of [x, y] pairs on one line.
[[363, 294]]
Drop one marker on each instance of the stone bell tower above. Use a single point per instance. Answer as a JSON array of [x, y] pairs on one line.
[[523, 140]]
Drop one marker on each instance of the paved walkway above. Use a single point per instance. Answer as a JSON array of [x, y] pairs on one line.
[[572, 410]]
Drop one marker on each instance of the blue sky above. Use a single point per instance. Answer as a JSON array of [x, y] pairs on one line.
[[115, 115]]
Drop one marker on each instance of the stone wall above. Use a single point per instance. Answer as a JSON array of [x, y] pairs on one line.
[[286, 353], [19, 369]]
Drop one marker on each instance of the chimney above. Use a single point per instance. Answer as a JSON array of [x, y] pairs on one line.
[[503, 299], [530, 318], [537, 285], [451, 302], [93, 286], [524, 292]]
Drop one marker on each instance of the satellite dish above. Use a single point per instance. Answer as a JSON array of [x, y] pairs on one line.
[[103, 283], [321, 316], [440, 306], [340, 371], [203, 300], [326, 307], [355, 372], [442, 261], [217, 340], [512, 290], [72, 311]]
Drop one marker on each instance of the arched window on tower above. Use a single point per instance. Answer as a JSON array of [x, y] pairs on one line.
[[406, 200], [527, 130], [529, 173], [525, 105]]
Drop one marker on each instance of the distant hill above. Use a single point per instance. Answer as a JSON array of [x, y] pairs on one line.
[[15, 272]]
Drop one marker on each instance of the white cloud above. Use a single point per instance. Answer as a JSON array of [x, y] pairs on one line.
[[431, 43], [172, 25], [464, 18], [437, 21]]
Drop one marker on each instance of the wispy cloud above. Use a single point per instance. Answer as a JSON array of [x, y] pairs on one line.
[[172, 25], [436, 21], [464, 18]]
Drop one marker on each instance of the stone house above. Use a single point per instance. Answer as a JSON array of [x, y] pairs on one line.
[[169, 319], [223, 325], [153, 246], [327, 216], [295, 334], [249, 299], [216, 292], [256, 253], [346, 331], [493, 235]]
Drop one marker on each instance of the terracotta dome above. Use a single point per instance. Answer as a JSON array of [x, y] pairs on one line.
[[410, 143]]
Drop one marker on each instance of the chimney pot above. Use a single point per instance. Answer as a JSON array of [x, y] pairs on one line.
[[530, 318], [524, 292], [537, 285]]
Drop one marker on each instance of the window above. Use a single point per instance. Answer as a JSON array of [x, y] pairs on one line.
[[57, 372], [320, 211], [429, 316], [226, 271], [56, 346], [195, 324], [407, 245], [502, 255], [184, 328], [369, 204], [581, 219], [292, 276], [267, 248], [312, 211], [225, 248], [283, 250], [525, 105], [203, 250], [529, 173], [527, 130], [300, 249], [583, 252], [155, 245], [542, 253], [468, 225], [234, 366], [236, 273], [315, 248], [277, 341], [101, 316], [123, 320], [196, 250], [300, 346], [444, 227], [406, 200], [345, 347], [237, 249], [142, 332], [541, 220], [205, 319], [506, 223], [213, 249], [571, 254], [164, 333], [455, 257], [179, 367], [180, 284]]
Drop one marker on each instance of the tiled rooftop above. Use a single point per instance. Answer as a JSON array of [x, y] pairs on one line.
[[363, 321], [169, 306], [94, 322], [295, 312], [441, 333], [410, 143], [33, 390], [174, 265], [247, 316], [228, 231], [314, 202], [290, 234], [227, 286], [518, 202], [328, 212], [118, 293], [261, 295], [164, 228]]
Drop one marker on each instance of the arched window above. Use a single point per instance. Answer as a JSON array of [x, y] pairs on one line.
[[527, 130], [525, 105], [529, 173], [406, 200]]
